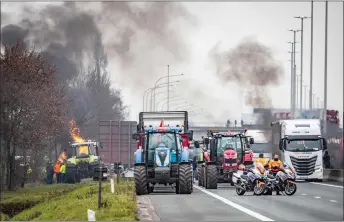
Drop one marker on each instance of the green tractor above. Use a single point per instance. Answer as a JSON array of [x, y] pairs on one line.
[[83, 162]]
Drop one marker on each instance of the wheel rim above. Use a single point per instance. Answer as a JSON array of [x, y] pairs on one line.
[[258, 190], [290, 188]]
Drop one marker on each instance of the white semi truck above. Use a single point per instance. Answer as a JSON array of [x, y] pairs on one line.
[[262, 143], [299, 143]]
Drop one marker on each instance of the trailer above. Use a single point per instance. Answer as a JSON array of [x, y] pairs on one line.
[[117, 142]]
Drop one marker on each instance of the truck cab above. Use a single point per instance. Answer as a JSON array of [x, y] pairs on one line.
[[299, 143]]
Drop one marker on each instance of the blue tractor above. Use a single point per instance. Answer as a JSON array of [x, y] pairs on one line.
[[162, 158]]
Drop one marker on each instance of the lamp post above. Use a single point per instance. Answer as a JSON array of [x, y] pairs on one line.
[[301, 65], [159, 102], [311, 62], [176, 100], [148, 90], [294, 72], [168, 76], [145, 95], [325, 69]]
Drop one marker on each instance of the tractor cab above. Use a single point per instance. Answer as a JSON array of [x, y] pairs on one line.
[[227, 149], [84, 149]]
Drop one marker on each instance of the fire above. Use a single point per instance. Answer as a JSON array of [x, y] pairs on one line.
[[75, 132], [62, 157]]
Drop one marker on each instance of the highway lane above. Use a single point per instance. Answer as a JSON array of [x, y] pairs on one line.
[[197, 206], [312, 202]]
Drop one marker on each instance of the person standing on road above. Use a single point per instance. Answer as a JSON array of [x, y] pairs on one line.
[[63, 172], [194, 167], [327, 160], [50, 173], [57, 171]]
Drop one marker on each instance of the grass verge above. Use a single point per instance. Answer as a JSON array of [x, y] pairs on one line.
[[120, 206], [16, 201]]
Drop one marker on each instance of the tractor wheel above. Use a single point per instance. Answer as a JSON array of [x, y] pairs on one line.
[[141, 184], [211, 182], [70, 175], [199, 174], [185, 179], [77, 177]]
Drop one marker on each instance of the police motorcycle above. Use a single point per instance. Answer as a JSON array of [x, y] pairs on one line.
[[283, 181], [249, 179]]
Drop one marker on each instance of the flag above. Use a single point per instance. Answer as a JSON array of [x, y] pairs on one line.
[[162, 123]]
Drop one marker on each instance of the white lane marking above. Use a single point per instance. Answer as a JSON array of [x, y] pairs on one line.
[[325, 184], [333, 201], [317, 197], [237, 206], [303, 194]]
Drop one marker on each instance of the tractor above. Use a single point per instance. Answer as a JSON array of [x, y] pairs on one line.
[[223, 154], [162, 156], [83, 162]]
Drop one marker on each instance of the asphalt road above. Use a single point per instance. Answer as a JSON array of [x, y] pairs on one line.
[[312, 202]]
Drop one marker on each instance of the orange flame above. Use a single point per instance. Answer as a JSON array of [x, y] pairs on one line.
[[75, 132]]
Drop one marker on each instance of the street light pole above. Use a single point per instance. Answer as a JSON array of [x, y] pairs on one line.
[[150, 91], [168, 88], [301, 65], [163, 78], [291, 75], [311, 62], [325, 69], [297, 90], [305, 86], [294, 72]]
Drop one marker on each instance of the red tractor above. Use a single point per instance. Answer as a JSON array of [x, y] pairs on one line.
[[223, 154]]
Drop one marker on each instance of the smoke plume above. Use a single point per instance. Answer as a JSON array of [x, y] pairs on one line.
[[130, 34], [252, 66]]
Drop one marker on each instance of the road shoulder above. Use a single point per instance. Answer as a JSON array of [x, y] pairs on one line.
[[145, 209]]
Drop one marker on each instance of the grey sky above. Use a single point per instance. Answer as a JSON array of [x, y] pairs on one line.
[[229, 23]]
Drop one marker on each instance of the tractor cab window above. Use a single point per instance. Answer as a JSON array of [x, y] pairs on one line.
[[82, 150], [161, 139], [228, 142]]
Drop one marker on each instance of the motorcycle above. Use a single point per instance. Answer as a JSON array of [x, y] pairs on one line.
[[284, 181], [250, 180]]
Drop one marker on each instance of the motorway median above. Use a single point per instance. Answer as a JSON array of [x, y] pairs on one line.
[[70, 203]]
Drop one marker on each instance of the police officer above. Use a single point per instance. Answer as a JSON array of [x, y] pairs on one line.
[[262, 160], [274, 166]]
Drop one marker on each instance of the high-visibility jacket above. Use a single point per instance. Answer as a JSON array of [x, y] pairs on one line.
[[63, 169], [263, 161], [277, 164], [29, 170], [57, 168]]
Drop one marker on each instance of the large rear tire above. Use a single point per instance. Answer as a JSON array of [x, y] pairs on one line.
[[211, 181], [185, 179], [200, 175], [141, 185]]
